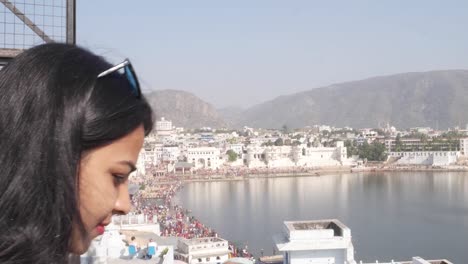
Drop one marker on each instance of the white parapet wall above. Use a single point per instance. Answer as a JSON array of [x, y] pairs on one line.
[[427, 158]]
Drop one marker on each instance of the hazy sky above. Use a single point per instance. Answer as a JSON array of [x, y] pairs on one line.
[[240, 53]]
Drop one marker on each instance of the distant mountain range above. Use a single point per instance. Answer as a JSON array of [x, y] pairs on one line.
[[438, 99]]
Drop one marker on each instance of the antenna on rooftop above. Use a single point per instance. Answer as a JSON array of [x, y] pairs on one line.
[[27, 23]]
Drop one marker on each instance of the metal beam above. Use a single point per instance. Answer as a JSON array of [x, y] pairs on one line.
[[26, 21], [6, 55], [9, 53], [71, 26]]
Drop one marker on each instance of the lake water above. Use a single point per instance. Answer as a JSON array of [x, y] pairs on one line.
[[393, 215]]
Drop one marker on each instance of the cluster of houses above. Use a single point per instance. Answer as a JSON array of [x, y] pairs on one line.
[[326, 241], [176, 150], [207, 149]]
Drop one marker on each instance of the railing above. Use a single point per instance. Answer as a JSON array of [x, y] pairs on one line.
[[139, 219]]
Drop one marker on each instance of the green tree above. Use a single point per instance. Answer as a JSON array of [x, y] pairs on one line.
[[267, 144], [372, 152], [436, 142], [398, 143], [298, 136], [452, 135], [279, 142], [379, 131], [379, 152], [423, 138], [325, 133], [232, 156], [316, 143], [351, 148]]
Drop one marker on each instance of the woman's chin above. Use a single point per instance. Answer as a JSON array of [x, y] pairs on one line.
[[79, 247]]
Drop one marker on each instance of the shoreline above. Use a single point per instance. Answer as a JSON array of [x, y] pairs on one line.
[[319, 173]]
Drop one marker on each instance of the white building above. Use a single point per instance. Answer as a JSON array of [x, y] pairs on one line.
[[255, 157], [164, 127], [368, 133], [159, 153], [423, 130], [170, 153], [202, 250], [237, 148], [268, 157], [324, 128], [279, 156], [324, 242], [258, 141], [322, 156], [168, 138], [204, 157], [318, 242], [288, 156], [464, 146]]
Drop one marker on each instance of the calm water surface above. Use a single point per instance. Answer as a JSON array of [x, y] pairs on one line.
[[391, 215]]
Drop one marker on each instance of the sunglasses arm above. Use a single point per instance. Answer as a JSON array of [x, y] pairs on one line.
[[113, 69]]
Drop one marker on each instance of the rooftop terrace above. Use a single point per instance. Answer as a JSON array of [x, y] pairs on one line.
[[334, 225], [198, 241]]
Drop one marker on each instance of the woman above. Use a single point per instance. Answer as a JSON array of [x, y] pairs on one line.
[[71, 128]]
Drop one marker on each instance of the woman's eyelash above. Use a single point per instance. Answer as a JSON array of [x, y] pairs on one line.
[[119, 177]]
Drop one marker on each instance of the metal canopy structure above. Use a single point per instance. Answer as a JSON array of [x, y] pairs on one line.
[[27, 23]]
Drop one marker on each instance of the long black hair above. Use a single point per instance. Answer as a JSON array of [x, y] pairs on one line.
[[52, 109]]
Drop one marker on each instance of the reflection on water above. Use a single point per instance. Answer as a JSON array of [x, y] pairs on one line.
[[391, 215]]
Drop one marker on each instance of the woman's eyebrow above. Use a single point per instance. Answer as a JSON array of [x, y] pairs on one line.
[[130, 164]]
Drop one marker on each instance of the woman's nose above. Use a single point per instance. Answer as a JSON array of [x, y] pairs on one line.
[[123, 205]]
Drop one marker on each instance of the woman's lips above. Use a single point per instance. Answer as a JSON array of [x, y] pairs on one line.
[[100, 229]]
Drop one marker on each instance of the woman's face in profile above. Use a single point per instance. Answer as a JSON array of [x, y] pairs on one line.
[[103, 186]]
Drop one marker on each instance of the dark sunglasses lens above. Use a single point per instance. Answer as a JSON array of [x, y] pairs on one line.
[[130, 74]]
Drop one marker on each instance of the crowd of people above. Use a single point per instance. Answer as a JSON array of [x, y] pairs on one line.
[[177, 222], [156, 202]]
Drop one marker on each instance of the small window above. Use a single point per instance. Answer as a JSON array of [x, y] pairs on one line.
[[208, 259], [199, 260], [218, 258]]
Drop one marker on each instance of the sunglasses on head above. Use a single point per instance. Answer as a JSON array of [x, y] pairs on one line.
[[129, 73]]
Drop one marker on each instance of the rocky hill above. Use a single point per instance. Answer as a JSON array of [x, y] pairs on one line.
[[184, 109], [436, 99]]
